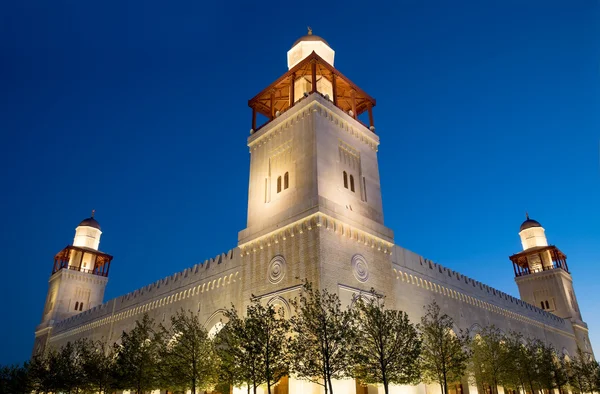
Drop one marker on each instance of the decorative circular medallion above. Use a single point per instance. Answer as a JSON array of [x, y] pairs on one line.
[[276, 270], [360, 268]]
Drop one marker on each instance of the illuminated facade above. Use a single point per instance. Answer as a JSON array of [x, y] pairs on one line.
[[314, 211]]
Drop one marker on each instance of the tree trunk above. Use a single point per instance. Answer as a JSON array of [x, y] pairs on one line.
[[330, 385], [385, 385], [445, 388]]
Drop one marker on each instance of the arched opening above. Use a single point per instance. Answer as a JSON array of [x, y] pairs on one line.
[[345, 179], [286, 180], [77, 306], [351, 183], [278, 184], [215, 329], [281, 306]]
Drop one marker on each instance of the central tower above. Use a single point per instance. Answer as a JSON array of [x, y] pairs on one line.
[[314, 200], [312, 153]]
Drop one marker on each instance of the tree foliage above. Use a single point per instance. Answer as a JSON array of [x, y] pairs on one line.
[[583, 373], [269, 330], [387, 345], [137, 360], [490, 359], [253, 349], [188, 358], [239, 362], [97, 362], [15, 379], [321, 340], [444, 354]]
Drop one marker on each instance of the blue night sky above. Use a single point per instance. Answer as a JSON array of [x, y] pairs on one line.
[[485, 109]]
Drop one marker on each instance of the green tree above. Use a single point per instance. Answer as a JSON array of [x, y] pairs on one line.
[[137, 360], [321, 339], [387, 346], [490, 359], [98, 364], [240, 359], [583, 371], [444, 354], [269, 330], [518, 375], [41, 378], [544, 357], [560, 372], [188, 358], [14, 379], [65, 365]]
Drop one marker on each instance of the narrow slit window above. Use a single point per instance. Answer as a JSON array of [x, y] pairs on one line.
[[77, 305], [81, 306], [365, 187], [351, 183], [266, 188], [286, 180], [345, 180], [278, 184], [547, 305], [542, 304]]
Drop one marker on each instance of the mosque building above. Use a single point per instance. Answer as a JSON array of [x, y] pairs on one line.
[[314, 212]]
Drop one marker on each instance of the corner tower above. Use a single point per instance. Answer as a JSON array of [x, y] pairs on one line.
[[77, 281], [314, 198], [544, 280]]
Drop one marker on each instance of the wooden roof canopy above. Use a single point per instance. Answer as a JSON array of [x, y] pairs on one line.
[[521, 263], [279, 96], [101, 260]]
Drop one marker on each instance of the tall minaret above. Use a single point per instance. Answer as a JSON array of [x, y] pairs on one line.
[[314, 199], [78, 279], [544, 280]]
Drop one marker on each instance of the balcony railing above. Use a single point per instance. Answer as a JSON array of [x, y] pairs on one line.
[[528, 271], [84, 270]]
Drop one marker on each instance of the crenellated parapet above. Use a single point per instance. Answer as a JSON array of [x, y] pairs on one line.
[[218, 273], [414, 270]]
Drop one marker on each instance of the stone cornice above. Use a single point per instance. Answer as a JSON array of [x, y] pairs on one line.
[[544, 275], [315, 103], [42, 331], [314, 221], [80, 276]]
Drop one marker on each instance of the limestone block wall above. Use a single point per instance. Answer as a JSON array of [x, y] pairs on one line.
[[352, 262], [285, 145], [472, 304], [205, 289], [68, 288], [345, 145], [275, 265]]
